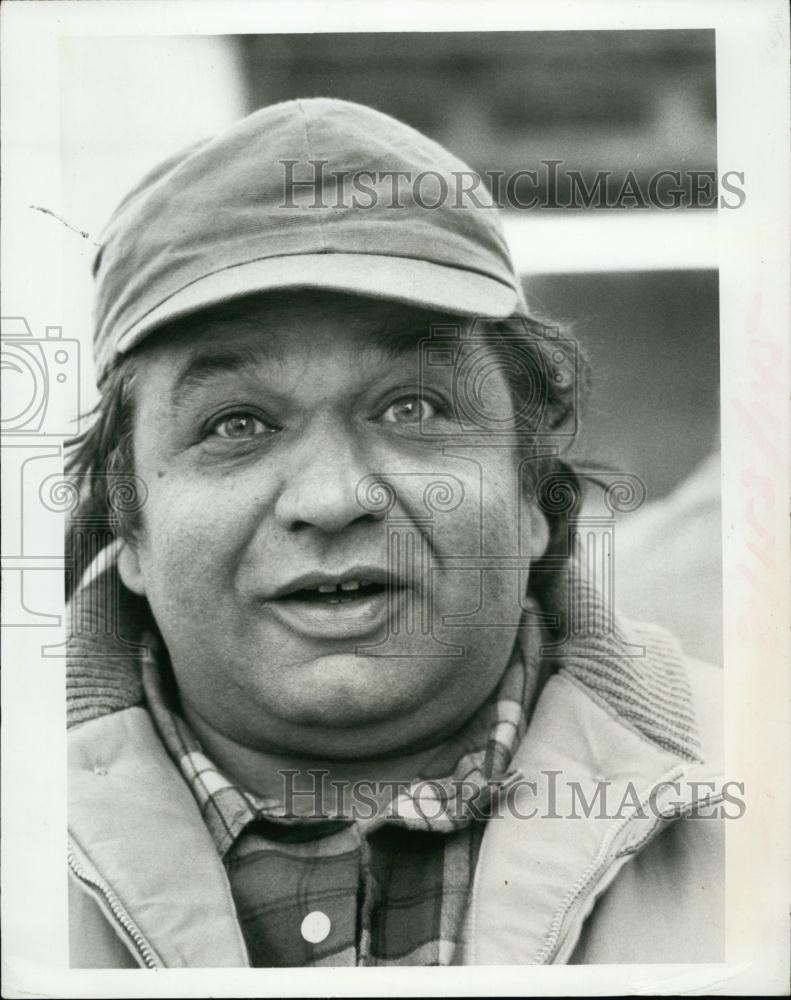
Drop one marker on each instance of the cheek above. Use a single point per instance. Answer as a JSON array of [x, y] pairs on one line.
[[191, 535], [487, 521]]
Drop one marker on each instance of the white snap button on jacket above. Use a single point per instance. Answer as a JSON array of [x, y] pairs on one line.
[[315, 927]]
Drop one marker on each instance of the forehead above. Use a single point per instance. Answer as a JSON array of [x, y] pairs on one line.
[[279, 327]]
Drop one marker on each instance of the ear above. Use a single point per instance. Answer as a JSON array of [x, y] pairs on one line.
[[539, 532], [129, 569]]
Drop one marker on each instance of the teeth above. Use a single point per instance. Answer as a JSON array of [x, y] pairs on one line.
[[330, 588]]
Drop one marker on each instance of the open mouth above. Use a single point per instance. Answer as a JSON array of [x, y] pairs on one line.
[[350, 605]]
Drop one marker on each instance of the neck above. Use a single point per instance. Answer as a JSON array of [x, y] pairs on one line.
[[309, 784]]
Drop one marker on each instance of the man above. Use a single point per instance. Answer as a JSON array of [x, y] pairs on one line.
[[331, 699]]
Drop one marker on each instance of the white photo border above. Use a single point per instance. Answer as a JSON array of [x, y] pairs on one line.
[[752, 50]]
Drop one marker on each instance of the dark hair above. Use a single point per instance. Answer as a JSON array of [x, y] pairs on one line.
[[546, 375], [102, 456]]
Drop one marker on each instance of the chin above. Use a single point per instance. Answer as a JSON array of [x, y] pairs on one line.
[[346, 691]]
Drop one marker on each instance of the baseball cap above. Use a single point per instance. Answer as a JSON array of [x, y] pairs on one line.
[[311, 193]]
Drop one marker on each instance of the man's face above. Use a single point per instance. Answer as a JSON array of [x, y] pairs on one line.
[[273, 580]]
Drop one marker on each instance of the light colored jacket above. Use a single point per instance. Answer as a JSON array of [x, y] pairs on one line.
[[148, 887]]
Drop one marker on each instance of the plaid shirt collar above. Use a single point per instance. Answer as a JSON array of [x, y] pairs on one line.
[[456, 786]]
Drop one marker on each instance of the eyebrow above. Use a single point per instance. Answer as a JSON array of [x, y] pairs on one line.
[[209, 365]]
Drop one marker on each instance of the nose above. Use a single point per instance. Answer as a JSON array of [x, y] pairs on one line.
[[320, 489]]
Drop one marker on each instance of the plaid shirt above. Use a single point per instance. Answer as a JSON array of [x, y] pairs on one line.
[[389, 888]]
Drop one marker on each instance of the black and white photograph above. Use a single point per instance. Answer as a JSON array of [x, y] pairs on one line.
[[395, 447]]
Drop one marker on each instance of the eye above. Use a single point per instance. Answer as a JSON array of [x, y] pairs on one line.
[[409, 410], [238, 426]]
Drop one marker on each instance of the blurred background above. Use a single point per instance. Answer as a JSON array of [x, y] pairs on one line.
[[639, 100], [636, 287]]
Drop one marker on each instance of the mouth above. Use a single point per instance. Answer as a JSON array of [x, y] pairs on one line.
[[349, 605]]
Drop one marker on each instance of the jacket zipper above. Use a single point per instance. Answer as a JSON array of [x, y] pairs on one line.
[[555, 938], [115, 908]]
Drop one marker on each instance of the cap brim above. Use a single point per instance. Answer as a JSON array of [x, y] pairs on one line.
[[401, 279]]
